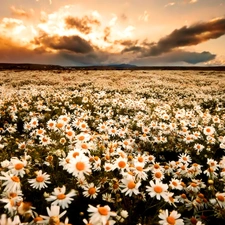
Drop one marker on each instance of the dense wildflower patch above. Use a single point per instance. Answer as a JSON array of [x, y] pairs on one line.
[[94, 155]]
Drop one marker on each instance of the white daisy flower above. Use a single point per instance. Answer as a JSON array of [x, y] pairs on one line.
[[17, 167], [170, 219], [54, 215], [90, 190], [41, 180], [157, 189], [100, 214], [59, 197], [12, 183], [79, 166], [130, 186]]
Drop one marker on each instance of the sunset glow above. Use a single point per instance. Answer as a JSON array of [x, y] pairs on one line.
[[104, 32]]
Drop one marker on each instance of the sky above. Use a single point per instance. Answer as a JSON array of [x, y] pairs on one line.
[[102, 32]]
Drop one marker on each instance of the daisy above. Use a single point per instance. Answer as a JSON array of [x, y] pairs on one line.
[[130, 186], [199, 147], [157, 189], [209, 130], [53, 215], [11, 200], [9, 221], [139, 171], [157, 174], [83, 126], [59, 197], [184, 158], [41, 180], [195, 186], [51, 125], [100, 214], [170, 219], [108, 166], [120, 163], [90, 190], [79, 166], [175, 184], [34, 122], [17, 167], [170, 199], [83, 137], [45, 140], [12, 183], [102, 127], [220, 197], [108, 198], [70, 134], [84, 146], [60, 124], [40, 131]]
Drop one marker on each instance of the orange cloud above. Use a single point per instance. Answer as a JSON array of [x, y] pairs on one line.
[[19, 12]]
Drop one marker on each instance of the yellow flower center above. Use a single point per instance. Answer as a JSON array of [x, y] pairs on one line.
[[84, 146], [131, 185], [12, 195], [38, 218], [158, 189], [80, 166], [174, 183], [92, 190], [140, 159], [103, 211], [61, 196], [121, 164], [39, 178], [171, 220], [15, 179], [221, 198], [75, 154], [59, 125], [158, 174], [139, 168], [69, 133], [19, 166], [81, 138]]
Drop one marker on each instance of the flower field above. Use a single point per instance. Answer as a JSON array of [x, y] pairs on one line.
[[112, 147]]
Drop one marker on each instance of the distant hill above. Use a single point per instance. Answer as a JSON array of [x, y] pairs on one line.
[[30, 66]]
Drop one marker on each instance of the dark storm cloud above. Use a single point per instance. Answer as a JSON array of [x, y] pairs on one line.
[[83, 24], [187, 36], [87, 59], [71, 43], [127, 42], [194, 57], [175, 57]]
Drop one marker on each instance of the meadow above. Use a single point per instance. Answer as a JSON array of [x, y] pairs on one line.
[[112, 147]]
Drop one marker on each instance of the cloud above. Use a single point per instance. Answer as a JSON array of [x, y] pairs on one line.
[[176, 57], [187, 36], [72, 43], [107, 32], [84, 24], [170, 4], [144, 17], [19, 12], [11, 51]]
